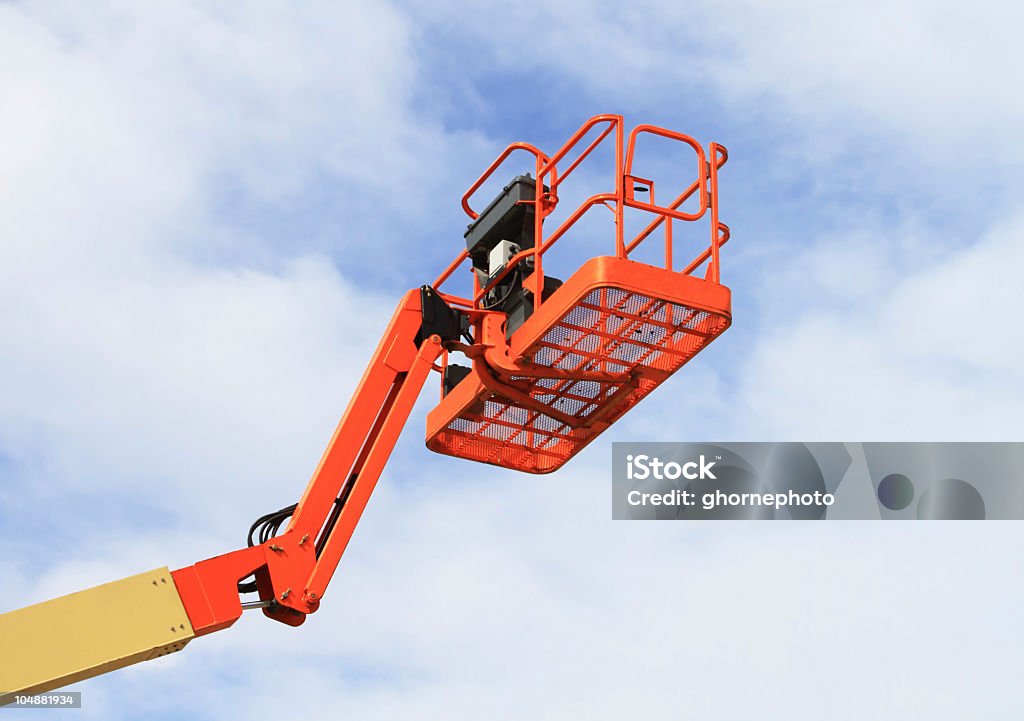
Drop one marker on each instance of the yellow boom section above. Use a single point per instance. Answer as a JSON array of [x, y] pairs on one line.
[[84, 634]]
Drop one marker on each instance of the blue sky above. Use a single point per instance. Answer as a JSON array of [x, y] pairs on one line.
[[210, 211]]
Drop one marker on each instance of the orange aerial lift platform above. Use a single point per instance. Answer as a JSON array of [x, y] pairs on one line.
[[550, 365]]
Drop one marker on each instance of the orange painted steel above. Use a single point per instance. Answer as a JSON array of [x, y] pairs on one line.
[[532, 401], [636, 323], [288, 569], [590, 351]]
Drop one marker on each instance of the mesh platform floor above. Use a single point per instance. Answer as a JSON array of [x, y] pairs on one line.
[[608, 330]]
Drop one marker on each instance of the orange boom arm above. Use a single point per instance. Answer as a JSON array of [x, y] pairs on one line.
[[551, 366]]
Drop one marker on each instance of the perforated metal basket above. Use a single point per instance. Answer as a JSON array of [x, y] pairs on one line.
[[613, 315]]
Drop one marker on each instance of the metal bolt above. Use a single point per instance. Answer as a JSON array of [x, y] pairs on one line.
[[275, 547], [284, 595], [303, 540], [313, 596]]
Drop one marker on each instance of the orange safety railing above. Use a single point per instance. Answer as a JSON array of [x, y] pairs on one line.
[[548, 182]]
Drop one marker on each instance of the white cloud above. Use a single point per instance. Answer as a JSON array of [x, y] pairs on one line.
[[931, 73], [461, 600], [134, 367], [586, 618], [860, 351], [127, 357]]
